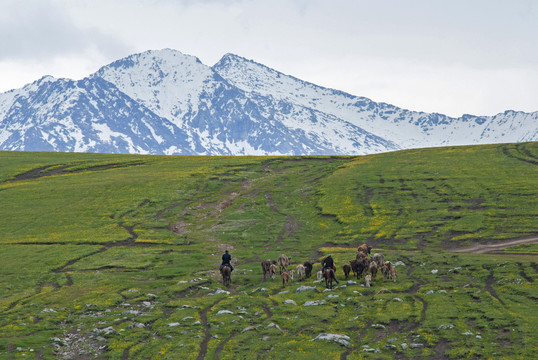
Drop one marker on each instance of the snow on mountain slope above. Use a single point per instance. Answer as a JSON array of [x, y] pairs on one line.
[[406, 128], [166, 102], [167, 82], [217, 114], [90, 115]]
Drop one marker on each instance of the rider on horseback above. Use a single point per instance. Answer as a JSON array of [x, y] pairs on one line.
[[328, 263], [226, 258]]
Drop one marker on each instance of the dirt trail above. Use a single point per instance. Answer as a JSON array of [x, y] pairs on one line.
[[486, 248]]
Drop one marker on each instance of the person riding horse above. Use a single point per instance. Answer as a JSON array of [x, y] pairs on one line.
[[226, 258], [328, 263]]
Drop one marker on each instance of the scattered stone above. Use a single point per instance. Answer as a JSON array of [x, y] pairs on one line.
[[333, 296], [266, 338], [337, 338], [478, 337], [351, 282], [399, 263], [258, 289], [468, 333], [391, 340], [248, 328], [174, 324], [442, 292], [197, 322], [48, 310], [314, 303], [290, 302], [57, 340], [378, 326], [397, 299], [306, 288], [190, 307], [220, 291], [435, 271], [220, 312], [273, 325], [284, 292], [449, 326], [109, 331], [429, 292], [390, 346], [404, 346], [416, 345]]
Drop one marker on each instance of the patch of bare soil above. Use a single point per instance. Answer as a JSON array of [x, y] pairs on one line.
[[489, 284], [440, 349], [52, 170], [207, 330], [486, 248]]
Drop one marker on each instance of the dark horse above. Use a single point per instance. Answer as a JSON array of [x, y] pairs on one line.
[[329, 277], [226, 272]]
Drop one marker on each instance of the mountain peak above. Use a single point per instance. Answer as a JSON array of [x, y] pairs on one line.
[[166, 55], [165, 101], [167, 81]]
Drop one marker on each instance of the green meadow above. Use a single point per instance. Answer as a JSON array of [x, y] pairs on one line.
[[116, 256]]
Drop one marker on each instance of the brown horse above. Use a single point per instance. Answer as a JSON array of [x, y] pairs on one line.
[[347, 270], [266, 267], [226, 272], [328, 274]]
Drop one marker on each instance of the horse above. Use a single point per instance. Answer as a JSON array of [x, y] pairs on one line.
[[226, 272], [328, 273], [367, 280], [272, 271], [347, 270], [283, 263], [266, 267], [300, 272], [364, 248], [361, 265], [285, 278], [308, 268]]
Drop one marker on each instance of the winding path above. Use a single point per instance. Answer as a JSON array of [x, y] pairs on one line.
[[486, 248]]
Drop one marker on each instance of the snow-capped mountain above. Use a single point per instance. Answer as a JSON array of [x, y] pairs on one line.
[[166, 102], [407, 129], [89, 115]]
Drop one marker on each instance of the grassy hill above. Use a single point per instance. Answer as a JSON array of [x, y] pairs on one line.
[[115, 256]]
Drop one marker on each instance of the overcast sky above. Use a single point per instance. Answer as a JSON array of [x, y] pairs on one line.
[[453, 57]]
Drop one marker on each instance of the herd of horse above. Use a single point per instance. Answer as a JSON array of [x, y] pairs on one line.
[[361, 265]]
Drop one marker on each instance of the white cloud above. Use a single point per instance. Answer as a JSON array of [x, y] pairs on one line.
[[40, 29], [452, 57]]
